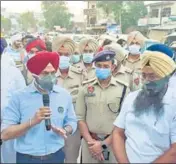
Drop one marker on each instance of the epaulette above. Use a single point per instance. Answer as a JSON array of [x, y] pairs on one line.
[[89, 81], [121, 82], [76, 70], [128, 70]]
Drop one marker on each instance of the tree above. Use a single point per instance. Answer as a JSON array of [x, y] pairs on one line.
[[6, 23], [132, 13], [126, 13], [27, 20], [56, 14]]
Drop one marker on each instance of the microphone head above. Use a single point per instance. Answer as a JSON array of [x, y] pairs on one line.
[[46, 100]]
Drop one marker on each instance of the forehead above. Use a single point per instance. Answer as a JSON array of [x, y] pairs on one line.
[[148, 70], [63, 50], [87, 48], [49, 68], [104, 63]]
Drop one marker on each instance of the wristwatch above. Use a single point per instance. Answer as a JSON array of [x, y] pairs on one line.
[[103, 145], [0, 141], [67, 132]]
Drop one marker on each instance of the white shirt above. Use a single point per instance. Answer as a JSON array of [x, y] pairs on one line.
[[172, 82], [147, 138], [11, 79]]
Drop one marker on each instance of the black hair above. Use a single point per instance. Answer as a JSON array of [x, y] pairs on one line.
[[106, 42]]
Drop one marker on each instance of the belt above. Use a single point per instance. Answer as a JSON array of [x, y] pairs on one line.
[[45, 157], [95, 136]]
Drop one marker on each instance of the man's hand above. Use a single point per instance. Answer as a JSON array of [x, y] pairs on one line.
[[96, 150], [42, 114], [60, 132]]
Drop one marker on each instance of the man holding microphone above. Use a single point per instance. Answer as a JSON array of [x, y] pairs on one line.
[[32, 110]]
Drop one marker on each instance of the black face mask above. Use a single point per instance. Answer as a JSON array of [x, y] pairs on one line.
[[155, 87]]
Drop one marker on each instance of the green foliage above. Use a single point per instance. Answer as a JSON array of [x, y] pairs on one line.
[[56, 14], [5, 23], [126, 12], [27, 20]]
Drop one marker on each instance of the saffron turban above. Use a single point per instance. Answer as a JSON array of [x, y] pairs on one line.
[[159, 62], [63, 42], [88, 42], [38, 63], [120, 52], [137, 36], [35, 43]]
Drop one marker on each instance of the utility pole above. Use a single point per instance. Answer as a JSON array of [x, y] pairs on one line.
[[161, 12]]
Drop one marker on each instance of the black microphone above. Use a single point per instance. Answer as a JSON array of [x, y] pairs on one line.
[[46, 102]]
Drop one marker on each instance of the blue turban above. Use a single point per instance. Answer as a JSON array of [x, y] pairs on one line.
[[162, 48], [3, 44]]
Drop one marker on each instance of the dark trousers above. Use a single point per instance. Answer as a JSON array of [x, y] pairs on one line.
[[57, 157]]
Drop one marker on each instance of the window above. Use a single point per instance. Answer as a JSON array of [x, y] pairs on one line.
[[154, 13], [93, 6], [166, 12]]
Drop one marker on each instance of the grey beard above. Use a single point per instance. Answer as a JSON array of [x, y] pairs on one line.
[[146, 103]]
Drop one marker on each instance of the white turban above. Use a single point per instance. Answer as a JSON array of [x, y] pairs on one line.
[[16, 37]]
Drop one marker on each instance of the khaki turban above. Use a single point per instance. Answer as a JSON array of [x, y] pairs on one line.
[[91, 43], [159, 62], [63, 42], [137, 36], [120, 52]]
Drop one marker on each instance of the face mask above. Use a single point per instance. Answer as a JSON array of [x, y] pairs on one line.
[[87, 58], [103, 73], [134, 49], [47, 82], [155, 86], [64, 62], [75, 59]]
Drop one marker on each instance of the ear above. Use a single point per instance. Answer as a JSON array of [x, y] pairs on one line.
[[113, 67]]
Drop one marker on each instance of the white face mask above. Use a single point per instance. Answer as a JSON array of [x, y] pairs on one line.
[[134, 49]]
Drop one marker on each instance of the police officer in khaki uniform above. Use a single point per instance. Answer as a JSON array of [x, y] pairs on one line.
[[88, 47], [76, 58], [135, 42], [98, 104], [120, 71], [68, 77]]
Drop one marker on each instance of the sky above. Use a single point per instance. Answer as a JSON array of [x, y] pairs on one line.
[[22, 6]]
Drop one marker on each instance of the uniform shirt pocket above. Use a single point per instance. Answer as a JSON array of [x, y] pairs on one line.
[[114, 105]]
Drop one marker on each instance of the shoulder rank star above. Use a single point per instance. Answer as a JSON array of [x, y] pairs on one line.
[[90, 91]]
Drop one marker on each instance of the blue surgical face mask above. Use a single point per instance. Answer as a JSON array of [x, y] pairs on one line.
[[88, 57], [75, 59], [64, 62], [103, 73]]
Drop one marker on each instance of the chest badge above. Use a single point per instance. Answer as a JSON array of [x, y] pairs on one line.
[[60, 109], [90, 91]]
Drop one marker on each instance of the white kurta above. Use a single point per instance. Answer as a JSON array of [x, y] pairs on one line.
[[11, 81]]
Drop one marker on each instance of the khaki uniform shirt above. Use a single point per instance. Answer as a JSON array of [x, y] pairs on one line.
[[137, 76], [72, 82], [99, 107], [88, 74], [125, 74]]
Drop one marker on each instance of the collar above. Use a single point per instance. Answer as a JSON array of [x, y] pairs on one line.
[[112, 82], [134, 60], [121, 70], [32, 88], [70, 74]]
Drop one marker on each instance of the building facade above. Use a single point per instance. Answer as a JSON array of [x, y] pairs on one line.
[[159, 12]]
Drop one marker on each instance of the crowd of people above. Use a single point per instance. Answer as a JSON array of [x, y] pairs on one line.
[[108, 103]]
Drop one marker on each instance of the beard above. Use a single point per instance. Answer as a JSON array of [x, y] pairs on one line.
[[147, 101]]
